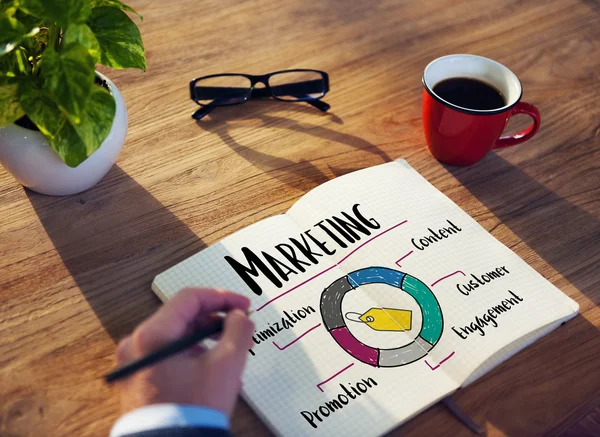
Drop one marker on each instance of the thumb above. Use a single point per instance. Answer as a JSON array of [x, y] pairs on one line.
[[237, 336], [124, 351]]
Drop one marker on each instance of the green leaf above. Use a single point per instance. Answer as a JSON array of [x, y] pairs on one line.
[[8, 6], [97, 119], [9, 102], [15, 64], [115, 4], [73, 143], [12, 32], [83, 35], [40, 108], [69, 76], [76, 143], [63, 12], [119, 38], [29, 21]]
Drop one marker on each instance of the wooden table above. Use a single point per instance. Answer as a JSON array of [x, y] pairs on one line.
[[76, 271]]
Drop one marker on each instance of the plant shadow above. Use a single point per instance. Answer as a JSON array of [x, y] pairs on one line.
[[114, 239], [301, 175]]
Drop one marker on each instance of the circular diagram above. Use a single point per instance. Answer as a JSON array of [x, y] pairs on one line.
[[333, 319]]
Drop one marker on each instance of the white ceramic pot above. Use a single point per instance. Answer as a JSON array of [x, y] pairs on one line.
[[28, 157]]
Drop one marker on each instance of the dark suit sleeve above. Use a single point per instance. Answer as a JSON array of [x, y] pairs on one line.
[[182, 432]]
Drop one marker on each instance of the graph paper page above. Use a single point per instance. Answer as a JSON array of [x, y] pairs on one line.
[[374, 297]]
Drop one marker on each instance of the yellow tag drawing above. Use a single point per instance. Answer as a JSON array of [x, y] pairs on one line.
[[388, 319]]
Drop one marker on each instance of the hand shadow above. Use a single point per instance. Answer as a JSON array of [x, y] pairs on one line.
[[114, 239], [302, 175]]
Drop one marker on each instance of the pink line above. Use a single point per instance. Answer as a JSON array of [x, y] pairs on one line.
[[397, 262], [330, 378], [289, 344], [329, 268], [293, 288], [447, 276], [440, 363], [371, 239]]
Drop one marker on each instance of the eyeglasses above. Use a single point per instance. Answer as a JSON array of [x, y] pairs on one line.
[[233, 89]]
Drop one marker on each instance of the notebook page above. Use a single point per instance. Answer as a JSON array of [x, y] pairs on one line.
[[484, 296], [302, 383], [512, 349], [210, 268], [297, 378], [318, 363]]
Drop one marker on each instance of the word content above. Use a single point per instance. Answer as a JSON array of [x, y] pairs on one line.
[[434, 236]]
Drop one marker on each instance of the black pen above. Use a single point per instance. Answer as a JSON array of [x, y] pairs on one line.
[[166, 351]]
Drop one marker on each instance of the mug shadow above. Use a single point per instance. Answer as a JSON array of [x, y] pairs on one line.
[[566, 237], [114, 239], [301, 175], [563, 234]]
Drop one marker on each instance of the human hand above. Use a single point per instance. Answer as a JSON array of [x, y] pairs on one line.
[[197, 376]]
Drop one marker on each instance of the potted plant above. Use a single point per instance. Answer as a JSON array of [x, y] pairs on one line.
[[62, 124]]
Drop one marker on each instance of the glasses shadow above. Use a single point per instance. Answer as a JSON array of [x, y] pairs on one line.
[[303, 174], [114, 239]]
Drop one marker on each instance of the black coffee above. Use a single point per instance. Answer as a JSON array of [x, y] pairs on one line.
[[470, 93]]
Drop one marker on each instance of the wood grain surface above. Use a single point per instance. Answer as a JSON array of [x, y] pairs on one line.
[[76, 271]]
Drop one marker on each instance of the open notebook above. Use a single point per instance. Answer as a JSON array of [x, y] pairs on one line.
[[375, 297]]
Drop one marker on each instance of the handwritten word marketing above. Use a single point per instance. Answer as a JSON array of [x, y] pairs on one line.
[[293, 256]]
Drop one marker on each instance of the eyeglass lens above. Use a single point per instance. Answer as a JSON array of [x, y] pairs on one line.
[[290, 86], [222, 90], [297, 85]]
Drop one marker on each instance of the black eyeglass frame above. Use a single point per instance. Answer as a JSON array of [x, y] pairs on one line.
[[260, 92]]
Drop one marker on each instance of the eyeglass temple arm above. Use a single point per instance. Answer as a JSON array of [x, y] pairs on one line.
[[319, 104], [297, 89], [294, 89], [258, 93], [205, 110], [301, 90], [202, 112]]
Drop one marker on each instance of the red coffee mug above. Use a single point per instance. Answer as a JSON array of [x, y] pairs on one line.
[[462, 136]]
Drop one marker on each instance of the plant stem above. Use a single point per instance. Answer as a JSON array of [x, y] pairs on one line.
[[53, 34]]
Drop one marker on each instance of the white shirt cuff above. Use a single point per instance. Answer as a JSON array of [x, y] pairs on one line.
[[168, 416]]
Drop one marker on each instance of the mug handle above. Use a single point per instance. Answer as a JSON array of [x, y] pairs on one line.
[[524, 135]]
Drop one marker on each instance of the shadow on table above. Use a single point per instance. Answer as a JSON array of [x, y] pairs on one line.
[[114, 239], [563, 234], [301, 175], [566, 237]]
